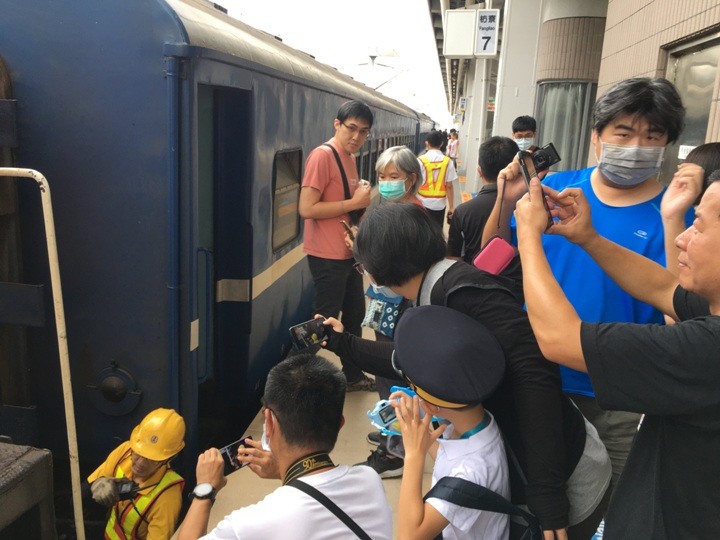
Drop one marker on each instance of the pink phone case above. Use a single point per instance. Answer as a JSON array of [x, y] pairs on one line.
[[495, 256]]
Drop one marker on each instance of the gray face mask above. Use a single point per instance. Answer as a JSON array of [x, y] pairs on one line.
[[630, 165]]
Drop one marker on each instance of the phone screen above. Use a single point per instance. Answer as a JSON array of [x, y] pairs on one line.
[[229, 455], [309, 333], [527, 167]]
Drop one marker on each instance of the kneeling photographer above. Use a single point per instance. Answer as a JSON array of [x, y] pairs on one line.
[[136, 483]]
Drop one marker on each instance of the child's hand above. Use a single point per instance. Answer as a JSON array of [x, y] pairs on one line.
[[416, 432]]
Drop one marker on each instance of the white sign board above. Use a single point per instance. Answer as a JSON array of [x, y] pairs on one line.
[[459, 33], [463, 104], [487, 29], [684, 150]]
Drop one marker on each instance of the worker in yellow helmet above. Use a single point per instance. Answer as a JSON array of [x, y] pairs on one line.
[[136, 483]]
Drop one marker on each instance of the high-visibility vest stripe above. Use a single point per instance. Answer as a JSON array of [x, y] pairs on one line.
[[434, 185]]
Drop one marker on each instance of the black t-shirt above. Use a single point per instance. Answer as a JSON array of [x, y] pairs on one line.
[[670, 487], [468, 222]]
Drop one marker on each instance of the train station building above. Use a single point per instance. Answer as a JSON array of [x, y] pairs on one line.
[[555, 57]]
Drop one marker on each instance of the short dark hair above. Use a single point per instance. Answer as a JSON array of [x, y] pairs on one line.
[[396, 242], [355, 109], [708, 157], [435, 139], [655, 100], [307, 394], [524, 123], [494, 155]]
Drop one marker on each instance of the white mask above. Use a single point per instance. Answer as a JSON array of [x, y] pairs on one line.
[[525, 142]]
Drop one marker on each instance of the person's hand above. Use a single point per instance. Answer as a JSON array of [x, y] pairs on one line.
[[530, 212], [333, 323], [209, 469], [557, 534], [683, 191], [449, 216], [511, 178], [104, 491], [361, 197], [416, 432], [260, 461]]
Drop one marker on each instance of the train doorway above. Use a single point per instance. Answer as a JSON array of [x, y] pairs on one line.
[[223, 259]]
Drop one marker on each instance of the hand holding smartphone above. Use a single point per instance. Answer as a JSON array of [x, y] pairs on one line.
[[527, 167], [229, 455], [309, 333], [348, 229]]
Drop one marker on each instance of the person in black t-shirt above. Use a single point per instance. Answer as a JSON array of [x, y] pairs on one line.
[[670, 487], [468, 220]]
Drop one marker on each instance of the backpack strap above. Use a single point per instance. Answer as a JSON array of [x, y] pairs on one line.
[[470, 495], [334, 508], [354, 214]]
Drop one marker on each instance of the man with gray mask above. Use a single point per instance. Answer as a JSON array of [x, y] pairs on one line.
[[632, 124]]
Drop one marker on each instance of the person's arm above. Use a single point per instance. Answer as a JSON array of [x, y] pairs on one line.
[[311, 207], [455, 238], [450, 194], [417, 520], [209, 469], [374, 357], [510, 187], [683, 191]]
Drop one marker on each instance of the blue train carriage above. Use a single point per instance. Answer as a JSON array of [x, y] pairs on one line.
[[173, 138]]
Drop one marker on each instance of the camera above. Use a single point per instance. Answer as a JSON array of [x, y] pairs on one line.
[[229, 455], [545, 157], [383, 418], [127, 489]]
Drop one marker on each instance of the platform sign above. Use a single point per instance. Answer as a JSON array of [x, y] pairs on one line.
[[462, 104], [486, 37]]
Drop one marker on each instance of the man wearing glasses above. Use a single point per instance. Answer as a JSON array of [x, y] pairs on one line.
[[332, 193]]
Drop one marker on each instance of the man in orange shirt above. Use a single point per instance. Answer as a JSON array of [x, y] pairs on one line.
[[331, 193]]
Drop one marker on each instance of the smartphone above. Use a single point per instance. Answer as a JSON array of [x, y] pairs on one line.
[[229, 455], [348, 229], [495, 256], [528, 171], [309, 333]]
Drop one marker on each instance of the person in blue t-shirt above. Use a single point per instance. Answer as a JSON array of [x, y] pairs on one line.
[[632, 124]]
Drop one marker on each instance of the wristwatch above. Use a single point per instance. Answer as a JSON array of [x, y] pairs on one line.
[[203, 491]]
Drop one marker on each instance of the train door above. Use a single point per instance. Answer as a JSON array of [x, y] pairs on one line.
[[224, 257]]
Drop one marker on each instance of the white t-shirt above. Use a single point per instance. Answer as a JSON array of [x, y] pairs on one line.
[[289, 514], [481, 460], [434, 203]]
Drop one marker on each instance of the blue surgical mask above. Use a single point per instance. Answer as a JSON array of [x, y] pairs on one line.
[[525, 142], [630, 165], [392, 189]]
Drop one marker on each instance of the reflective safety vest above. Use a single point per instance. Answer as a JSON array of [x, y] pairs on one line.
[[123, 525], [435, 172]]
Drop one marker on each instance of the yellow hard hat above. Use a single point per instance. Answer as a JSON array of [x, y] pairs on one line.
[[159, 436]]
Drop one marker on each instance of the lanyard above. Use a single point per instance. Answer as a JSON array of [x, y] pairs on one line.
[[477, 429], [307, 464]]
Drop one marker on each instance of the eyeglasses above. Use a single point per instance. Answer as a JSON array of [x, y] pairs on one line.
[[352, 128], [359, 268]]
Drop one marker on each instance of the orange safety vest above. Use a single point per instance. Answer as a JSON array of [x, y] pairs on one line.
[[435, 172], [124, 526]]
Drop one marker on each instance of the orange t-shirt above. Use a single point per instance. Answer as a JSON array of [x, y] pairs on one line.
[[326, 237]]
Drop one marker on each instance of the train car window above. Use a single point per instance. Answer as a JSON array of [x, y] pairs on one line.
[[287, 176]]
